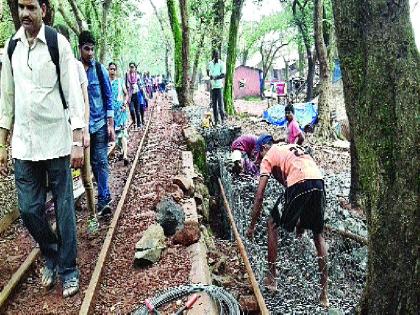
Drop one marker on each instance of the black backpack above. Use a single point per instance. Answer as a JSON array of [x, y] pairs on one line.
[[52, 43]]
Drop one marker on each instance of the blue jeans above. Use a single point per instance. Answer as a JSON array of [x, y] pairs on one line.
[[59, 249], [99, 162]]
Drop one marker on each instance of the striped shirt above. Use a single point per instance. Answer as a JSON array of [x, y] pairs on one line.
[[30, 100]]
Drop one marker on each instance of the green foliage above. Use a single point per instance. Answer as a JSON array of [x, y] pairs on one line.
[[275, 23], [7, 28]]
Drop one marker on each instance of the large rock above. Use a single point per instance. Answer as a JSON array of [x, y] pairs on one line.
[[150, 246], [170, 216], [189, 235], [186, 184]]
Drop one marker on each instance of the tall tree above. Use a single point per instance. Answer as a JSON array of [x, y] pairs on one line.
[[185, 95], [303, 20], [106, 4], [218, 25], [381, 77], [324, 128], [231, 56], [177, 35], [202, 35], [269, 50], [167, 42]]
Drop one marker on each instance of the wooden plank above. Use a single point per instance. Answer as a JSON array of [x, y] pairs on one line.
[[347, 234], [17, 276], [90, 292], [254, 283], [8, 219]]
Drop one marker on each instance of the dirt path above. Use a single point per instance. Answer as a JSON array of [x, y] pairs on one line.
[[30, 298], [123, 286]]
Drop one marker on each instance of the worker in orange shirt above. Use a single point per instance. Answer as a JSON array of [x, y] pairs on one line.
[[304, 202]]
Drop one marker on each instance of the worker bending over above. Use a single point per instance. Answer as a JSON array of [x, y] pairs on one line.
[[304, 202]]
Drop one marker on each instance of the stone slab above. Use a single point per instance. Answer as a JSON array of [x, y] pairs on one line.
[[200, 272]]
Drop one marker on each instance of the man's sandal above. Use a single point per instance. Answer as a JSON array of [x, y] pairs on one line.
[[48, 277], [70, 287]]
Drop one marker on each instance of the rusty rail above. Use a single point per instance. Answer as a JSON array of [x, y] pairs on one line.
[[91, 290], [16, 278], [253, 280]]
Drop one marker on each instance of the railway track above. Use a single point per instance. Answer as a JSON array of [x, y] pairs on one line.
[[9, 288], [143, 182]]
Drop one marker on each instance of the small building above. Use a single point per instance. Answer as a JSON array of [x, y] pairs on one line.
[[246, 82]]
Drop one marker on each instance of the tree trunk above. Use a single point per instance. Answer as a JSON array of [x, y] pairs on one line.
[[301, 64], [167, 70], [77, 15], [104, 27], [231, 56], [67, 19], [218, 25], [245, 55], [300, 22], [323, 129], [381, 77], [167, 43], [13, 6], [197, 57], [185, 96], [286, 69], [177, 34], [355, 192], [310, 76]]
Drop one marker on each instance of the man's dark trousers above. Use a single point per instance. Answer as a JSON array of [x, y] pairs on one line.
[[217, 103], [60, 249]]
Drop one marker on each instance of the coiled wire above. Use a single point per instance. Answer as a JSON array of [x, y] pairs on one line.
[[226, 303]]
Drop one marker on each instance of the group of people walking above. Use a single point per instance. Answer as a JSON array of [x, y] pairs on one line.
[[60, 113]]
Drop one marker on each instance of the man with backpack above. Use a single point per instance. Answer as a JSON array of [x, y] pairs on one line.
[[101, 119], [42, 102]]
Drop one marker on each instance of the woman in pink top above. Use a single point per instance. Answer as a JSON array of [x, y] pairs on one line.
[[304, 204], [294, 134]]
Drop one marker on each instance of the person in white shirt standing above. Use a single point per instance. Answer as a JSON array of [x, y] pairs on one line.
[[216, 70], [41, 101]]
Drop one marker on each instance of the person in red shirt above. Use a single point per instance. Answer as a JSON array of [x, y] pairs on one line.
[[293, 132], [304, 202]]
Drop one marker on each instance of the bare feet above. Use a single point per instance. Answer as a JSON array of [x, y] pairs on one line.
[[270, 283], [323, 299]]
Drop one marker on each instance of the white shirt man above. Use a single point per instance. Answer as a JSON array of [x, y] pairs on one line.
[[42, 139]]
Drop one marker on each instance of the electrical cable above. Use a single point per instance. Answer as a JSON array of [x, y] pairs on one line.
[[226, 303]]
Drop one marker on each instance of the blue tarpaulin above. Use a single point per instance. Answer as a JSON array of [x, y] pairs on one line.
[[305, 113]]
